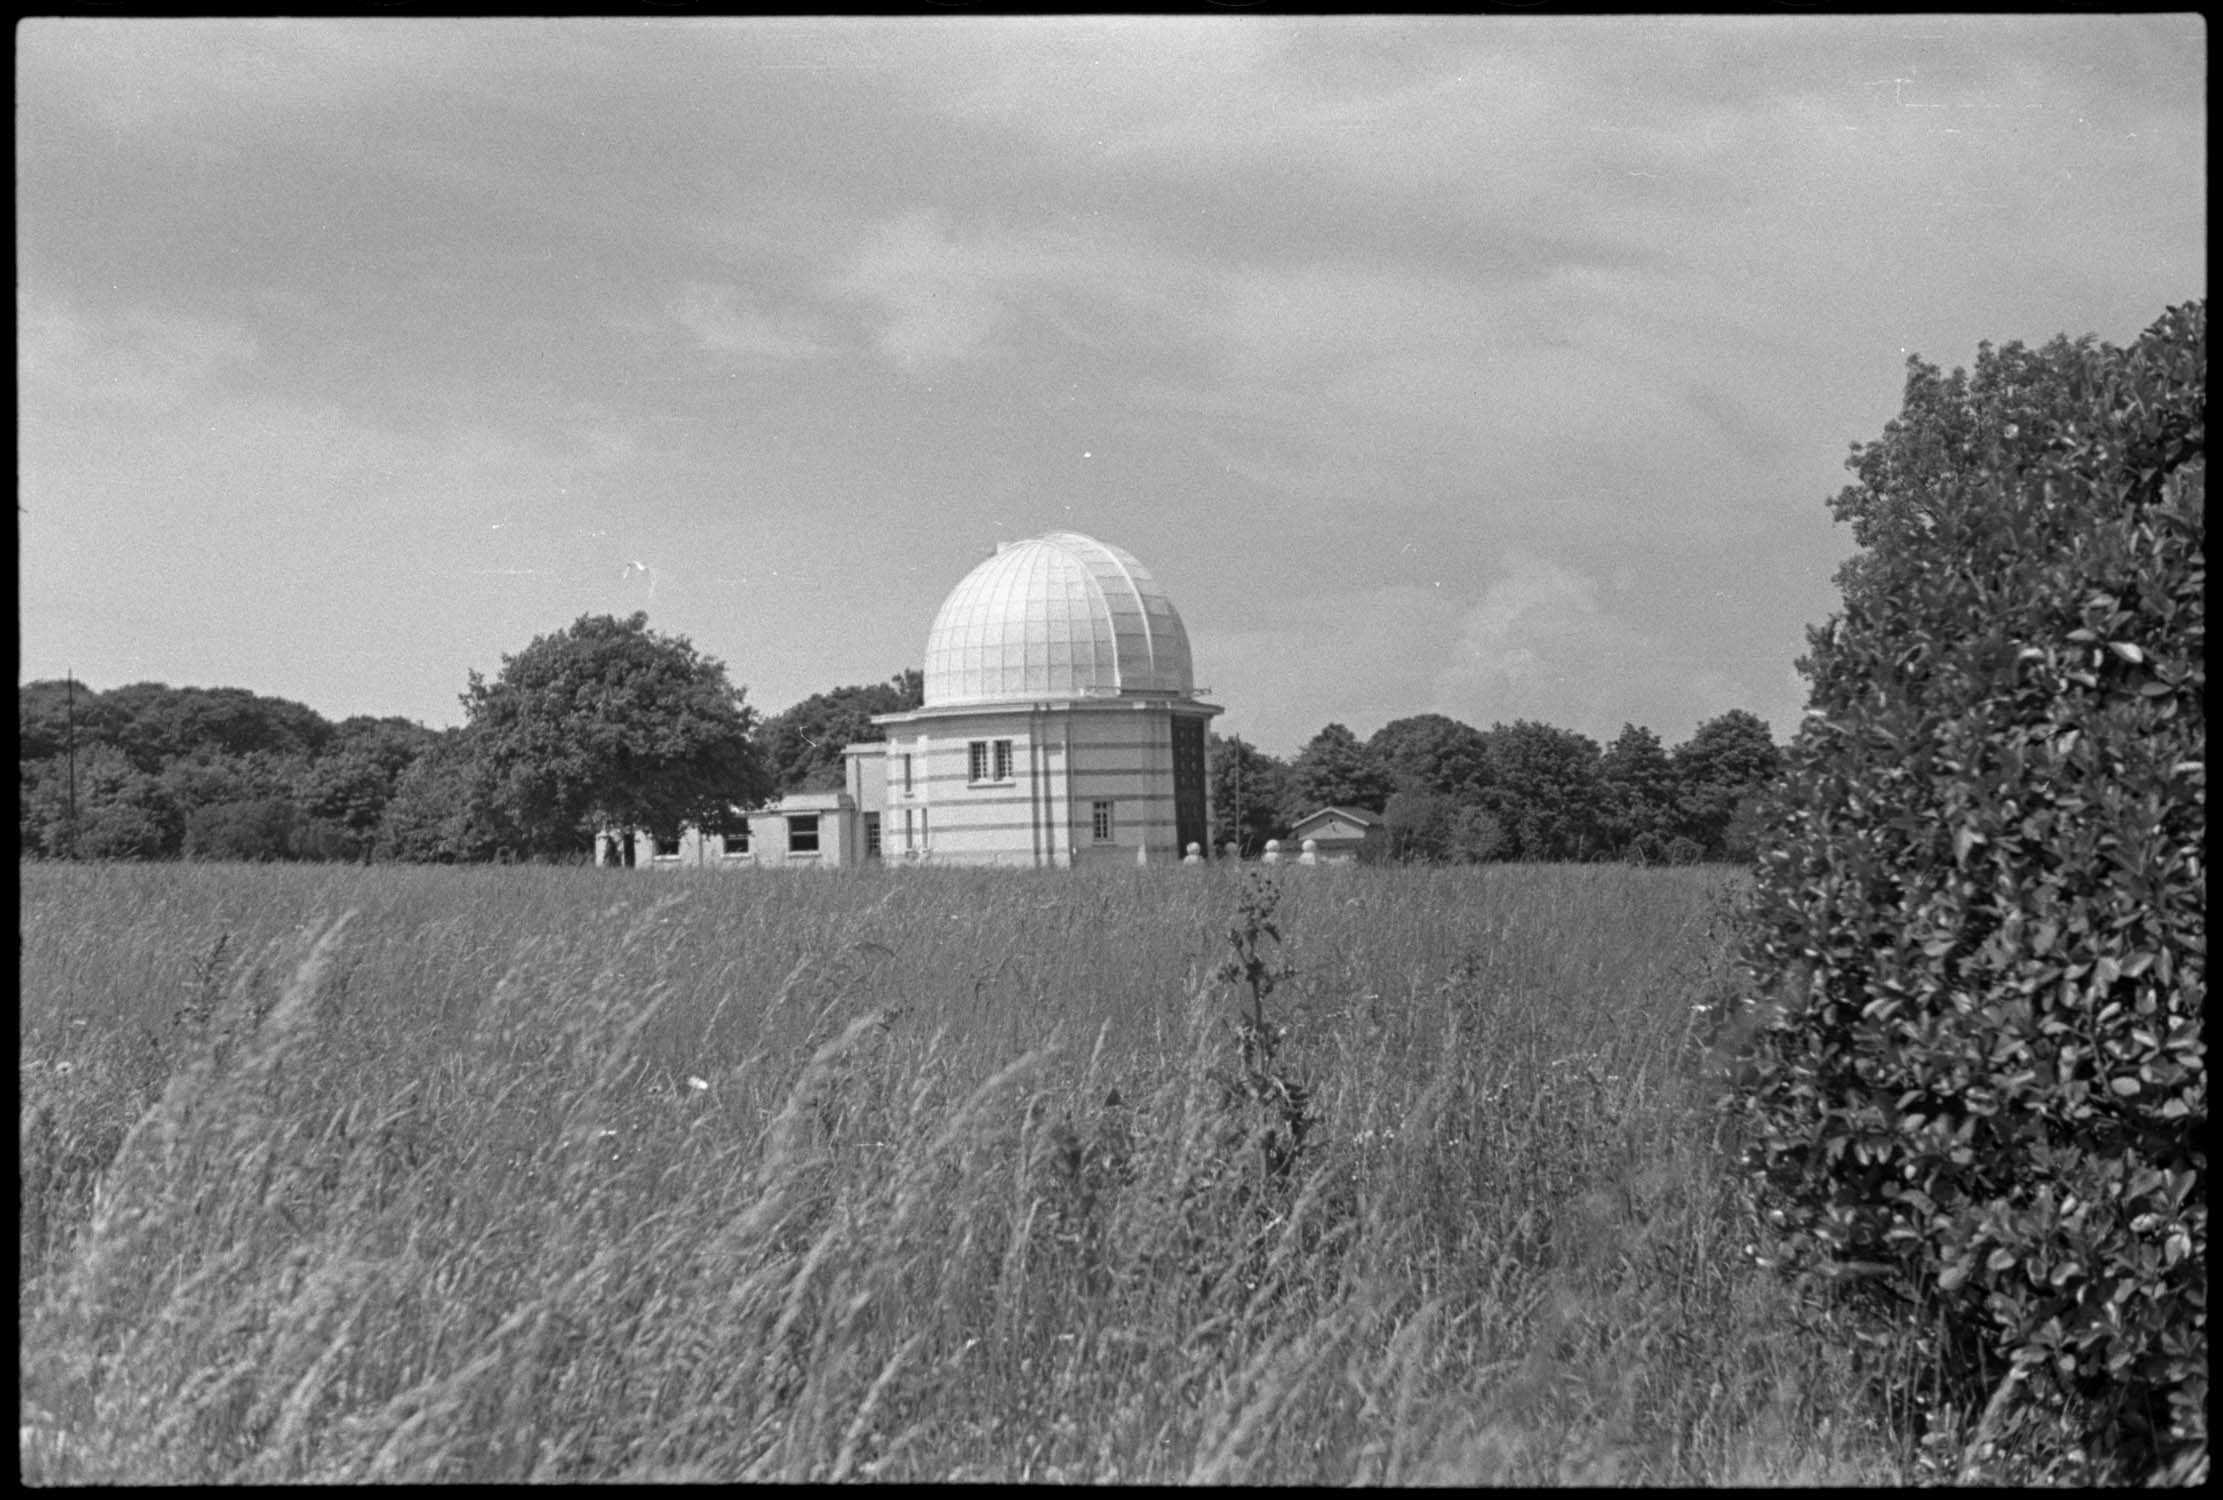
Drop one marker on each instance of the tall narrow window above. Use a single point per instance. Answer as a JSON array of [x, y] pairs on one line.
[[988, 760], [906, 774], [925, 842], [872, 835], [1100, 821], [910, 835]]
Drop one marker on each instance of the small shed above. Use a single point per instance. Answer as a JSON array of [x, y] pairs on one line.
[[1338, 833]]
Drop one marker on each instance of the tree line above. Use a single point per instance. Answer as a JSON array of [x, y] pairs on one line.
[[1447, 792], [608, 724], [603, 724]]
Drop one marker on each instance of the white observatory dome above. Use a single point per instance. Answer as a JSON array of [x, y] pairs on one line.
[[1058, 616]]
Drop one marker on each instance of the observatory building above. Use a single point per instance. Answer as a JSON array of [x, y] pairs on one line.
[[1060, 727]]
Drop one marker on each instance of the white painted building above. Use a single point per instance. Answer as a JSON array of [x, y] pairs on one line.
[[1060, 727], [1336, 834]]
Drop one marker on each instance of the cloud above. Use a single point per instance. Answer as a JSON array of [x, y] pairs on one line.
[[723, 324], [139, 361], [939, 293], [1531, 634], [936, 299]]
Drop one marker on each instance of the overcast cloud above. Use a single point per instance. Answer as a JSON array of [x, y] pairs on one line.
[[1498, 368]]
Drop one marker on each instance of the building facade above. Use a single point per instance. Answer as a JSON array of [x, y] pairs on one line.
[[1061, 726], [1335, 834]]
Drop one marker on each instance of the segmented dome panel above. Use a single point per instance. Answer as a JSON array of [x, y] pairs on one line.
[[1059, 616]]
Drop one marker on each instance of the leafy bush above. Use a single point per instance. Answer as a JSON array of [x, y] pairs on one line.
[[1977, 1097]]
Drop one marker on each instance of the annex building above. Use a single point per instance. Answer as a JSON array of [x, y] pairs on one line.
[[1061, 726]]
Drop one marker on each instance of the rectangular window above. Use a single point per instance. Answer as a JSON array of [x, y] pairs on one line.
[[1100, 821], [737, 843], [923, 841], [802, 833], [667, 848], [910, 837], [906, 775], [872, 835], [988, 760]]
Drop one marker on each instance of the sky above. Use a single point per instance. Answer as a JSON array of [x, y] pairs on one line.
[[1494, 367]]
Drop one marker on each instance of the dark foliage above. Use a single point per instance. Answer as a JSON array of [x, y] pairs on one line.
[[440, 812], [610, 725], [1717, 772], [801, 745], [1546, 792], [1249, 789], [1640, 793], [120, 811], [1435, 753], [1334, 770], [1977, 1097]]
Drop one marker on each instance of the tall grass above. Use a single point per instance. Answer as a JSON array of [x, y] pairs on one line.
[[565, 1174]]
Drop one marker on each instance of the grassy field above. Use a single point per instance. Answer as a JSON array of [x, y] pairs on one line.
[[486, 1174]]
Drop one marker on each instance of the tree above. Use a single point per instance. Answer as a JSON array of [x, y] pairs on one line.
[[1249, 788], [1419, 826], [346, 789], [1637, 816], [2016, 406], [256, 828], [121, 813], [155, 724], [609, 725], [1334, 770], [801, 745], [1434, 753], [44, 714], [1478, 836], [199, 784], [1729, 759], [440, 812], [1545, 791], [1976, 1096]]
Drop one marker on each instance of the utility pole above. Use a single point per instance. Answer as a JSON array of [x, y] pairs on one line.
[[70, 676], [1237, 745]]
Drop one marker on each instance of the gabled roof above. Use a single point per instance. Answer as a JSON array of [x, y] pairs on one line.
[[1356, 815]]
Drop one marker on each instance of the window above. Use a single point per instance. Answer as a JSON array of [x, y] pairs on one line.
[[802, 833], [1100, 821], [737, 843], [667, 848], [910, 835], [988, 760], [906, 775], [922, 828], [872, 835]]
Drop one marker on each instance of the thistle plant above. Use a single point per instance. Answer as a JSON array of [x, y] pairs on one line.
[[1260, 1081]]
